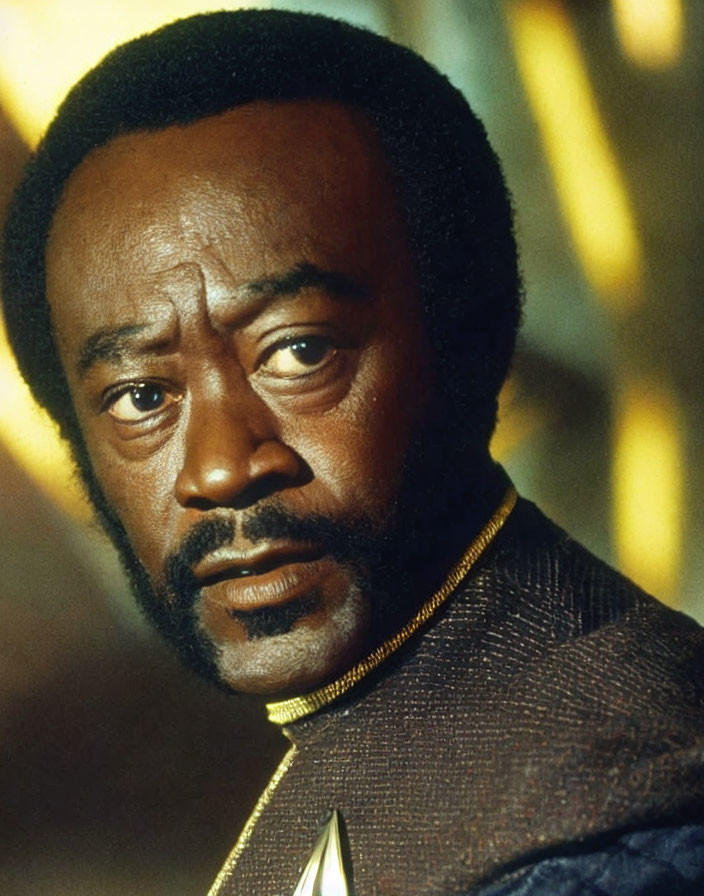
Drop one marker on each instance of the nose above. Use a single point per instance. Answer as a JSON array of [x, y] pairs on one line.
[[233, 456]]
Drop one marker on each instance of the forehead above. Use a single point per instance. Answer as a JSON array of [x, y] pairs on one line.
[[232, 199], [278, 174]]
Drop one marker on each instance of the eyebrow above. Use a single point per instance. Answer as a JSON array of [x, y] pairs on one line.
[[111, 343], [309, 276], [108, 344]]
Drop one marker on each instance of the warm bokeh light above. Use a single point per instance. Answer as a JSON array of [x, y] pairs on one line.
[[589, 184], [518, 421], [46, 45], [651, 32], [648, 488], [32, 439]]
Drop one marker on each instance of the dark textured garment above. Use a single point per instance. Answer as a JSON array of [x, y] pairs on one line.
[[659, 862], [549, 704]]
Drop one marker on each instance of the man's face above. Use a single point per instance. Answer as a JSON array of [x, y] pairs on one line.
[[238, 318]]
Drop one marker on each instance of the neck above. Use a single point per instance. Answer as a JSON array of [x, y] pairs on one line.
[[295, 708], [452, 515]]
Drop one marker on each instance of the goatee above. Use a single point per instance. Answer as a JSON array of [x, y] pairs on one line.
[[371, 556]]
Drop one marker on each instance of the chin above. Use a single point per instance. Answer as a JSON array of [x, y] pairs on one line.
[[317, 649]]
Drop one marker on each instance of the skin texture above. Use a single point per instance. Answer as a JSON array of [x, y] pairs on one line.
[[239, 320]]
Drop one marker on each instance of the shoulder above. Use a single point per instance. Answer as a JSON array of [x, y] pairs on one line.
[[658, 861], [594, 689], [611, 669], [558, 585]]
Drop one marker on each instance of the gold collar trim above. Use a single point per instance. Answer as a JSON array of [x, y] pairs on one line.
[[248, 829], [284, 712]]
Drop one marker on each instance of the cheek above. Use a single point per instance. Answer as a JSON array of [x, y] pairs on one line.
[[141, 494], [357, 450]]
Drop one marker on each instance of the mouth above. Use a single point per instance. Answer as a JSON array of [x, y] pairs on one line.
[[248, 581], [226, 564]]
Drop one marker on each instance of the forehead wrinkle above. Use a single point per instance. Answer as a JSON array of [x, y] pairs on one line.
[[180, 284], [203, 288]]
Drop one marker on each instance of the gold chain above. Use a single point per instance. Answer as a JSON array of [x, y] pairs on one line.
[[285, 711]]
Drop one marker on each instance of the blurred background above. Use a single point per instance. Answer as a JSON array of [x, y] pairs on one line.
[[121, 772]]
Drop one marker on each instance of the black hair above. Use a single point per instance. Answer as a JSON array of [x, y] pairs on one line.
[[447, 178]]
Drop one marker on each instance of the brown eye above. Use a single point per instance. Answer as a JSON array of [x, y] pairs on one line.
[[139, 402], [298, 357]]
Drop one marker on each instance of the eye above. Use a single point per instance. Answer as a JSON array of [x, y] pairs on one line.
[[138, 402], [298, 356]]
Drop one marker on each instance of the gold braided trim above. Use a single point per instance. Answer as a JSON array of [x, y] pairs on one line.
[[285, 711], [243, 838]]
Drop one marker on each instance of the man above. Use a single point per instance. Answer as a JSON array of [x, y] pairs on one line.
[[262, 272]]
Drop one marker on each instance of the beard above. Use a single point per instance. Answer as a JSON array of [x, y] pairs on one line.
[[370, 553], [394, 564]]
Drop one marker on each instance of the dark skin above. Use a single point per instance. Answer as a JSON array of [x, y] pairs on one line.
[[239, 321]]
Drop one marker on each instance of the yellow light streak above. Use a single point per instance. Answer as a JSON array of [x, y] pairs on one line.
[[648, 488], [47, 45], [589, 185], [32, 439], [651, 32]]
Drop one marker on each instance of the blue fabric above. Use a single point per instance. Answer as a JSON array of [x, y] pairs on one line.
[[661, 862]]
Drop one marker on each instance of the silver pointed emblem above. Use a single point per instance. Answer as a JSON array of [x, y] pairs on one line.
[[324, 875]]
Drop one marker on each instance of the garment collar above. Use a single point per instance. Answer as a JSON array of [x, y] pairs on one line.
[[284, 712]]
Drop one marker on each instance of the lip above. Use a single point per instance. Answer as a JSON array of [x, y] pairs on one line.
[[274, 575]]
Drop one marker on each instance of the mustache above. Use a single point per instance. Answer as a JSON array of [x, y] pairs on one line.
[[348, 541]]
